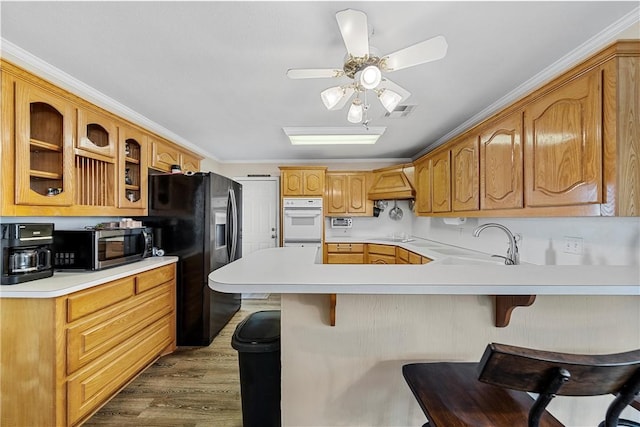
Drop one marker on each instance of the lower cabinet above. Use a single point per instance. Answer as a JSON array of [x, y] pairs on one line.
[[63, 358], [344, 253], [381, 254]]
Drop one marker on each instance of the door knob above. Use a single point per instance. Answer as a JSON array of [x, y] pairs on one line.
[[273, 236]]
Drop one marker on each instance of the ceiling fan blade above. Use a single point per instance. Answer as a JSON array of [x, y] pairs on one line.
[[419, 53], [354, 30], [388, 84], [313, 73]]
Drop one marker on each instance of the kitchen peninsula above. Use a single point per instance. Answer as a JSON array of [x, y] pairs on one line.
[[389, 315]]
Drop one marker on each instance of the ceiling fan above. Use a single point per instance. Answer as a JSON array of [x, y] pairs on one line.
[[365, 67]]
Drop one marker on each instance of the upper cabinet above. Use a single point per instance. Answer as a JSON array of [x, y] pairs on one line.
[[163, 155], [423, 186], [346, 194], [501, 167], [563, 144], [465, 163], [302, 181], [63, 156], [44, 129], [132, 180], [97, 133], [569, 148], [441, 181]]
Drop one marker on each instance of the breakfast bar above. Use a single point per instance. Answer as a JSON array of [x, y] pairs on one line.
[[391, 315]]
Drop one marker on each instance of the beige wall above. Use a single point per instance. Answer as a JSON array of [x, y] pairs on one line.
[[350, 374]]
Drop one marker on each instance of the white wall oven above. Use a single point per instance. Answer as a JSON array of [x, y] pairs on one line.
[[302, 221]]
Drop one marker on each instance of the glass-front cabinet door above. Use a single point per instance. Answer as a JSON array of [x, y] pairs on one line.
[[132, 167], [96, 133], [44, 147]]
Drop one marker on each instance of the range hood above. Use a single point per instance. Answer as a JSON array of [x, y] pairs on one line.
[[393, 183]]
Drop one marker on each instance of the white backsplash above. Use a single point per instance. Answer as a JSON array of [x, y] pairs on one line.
[[382, 226], [605, 241]]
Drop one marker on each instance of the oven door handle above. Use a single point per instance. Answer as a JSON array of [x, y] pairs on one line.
[[302, 214]]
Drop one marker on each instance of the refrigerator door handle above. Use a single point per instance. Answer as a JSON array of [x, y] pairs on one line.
[[233, 225]]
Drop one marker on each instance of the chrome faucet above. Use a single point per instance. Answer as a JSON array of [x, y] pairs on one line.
[[513, 257]]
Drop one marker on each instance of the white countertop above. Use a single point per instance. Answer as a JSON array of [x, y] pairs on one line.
[[64, 283], [300, 270]]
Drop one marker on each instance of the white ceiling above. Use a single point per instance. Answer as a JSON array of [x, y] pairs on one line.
[[213, 73]]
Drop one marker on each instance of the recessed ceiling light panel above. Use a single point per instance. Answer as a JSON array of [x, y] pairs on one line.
[[333, 135]]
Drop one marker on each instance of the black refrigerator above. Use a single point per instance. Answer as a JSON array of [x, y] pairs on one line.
[[198, 218]]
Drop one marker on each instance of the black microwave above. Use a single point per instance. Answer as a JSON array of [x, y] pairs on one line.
[[100, 249]]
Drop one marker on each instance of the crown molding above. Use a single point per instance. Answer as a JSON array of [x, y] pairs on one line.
[[582, 52], [43, 69]]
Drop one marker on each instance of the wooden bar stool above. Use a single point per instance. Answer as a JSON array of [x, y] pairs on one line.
[[492, 393]]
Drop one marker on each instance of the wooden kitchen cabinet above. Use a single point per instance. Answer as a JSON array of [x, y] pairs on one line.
[[465, 164], [433, 183], [415, 258], [381, 254], [189, 163], [501, 167], [344, 253], [423, 186], [405, 256], [163, 155], [132, 168], [97, 134], [346, 194], [563, 144], [441, 181], [71, 354], [44, 131], [402, 256], [302, 181]]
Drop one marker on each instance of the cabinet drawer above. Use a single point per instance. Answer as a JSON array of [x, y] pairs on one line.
[[345, 247], [382, 249], [86, 302], [382, 259], [94, 386], [345, 258], [151, 279], [89, 340]]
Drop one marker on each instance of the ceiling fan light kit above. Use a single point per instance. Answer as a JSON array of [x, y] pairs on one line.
[[332, 96], [365, 68], [370, 77], [389, 99], [356, 111]]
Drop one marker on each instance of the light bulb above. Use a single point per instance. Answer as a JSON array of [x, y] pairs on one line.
[[331, 97], [370, 77], [389, 99], [355, 111]]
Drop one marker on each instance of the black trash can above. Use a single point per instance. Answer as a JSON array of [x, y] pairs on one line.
[[257, 339]]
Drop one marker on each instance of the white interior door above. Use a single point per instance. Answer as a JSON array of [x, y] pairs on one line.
[[260, 210]]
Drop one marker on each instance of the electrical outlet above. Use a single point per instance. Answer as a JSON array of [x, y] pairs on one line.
[[573, 245]]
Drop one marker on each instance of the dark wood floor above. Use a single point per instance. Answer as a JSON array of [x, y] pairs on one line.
[[194, 387]]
